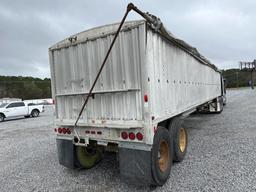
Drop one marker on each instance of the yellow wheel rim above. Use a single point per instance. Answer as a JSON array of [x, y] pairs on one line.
[[182, 139], [163, 155]]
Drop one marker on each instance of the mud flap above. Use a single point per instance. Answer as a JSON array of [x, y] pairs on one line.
[[66, 153], [135, 166]]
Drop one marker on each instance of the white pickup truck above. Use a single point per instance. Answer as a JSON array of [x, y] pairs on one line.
[[19, 108]]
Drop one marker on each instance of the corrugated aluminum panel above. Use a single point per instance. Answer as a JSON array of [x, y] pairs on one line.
[[117, 96], [174, 80], [178, 81]]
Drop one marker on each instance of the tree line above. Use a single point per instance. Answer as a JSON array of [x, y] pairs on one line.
[[238, 78], [25, 87], [36, 88]]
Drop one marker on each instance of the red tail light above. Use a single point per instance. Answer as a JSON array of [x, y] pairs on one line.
[[139, 136], [131, 136], [124, 135], [64, 130], [145, 98], [59, 130]]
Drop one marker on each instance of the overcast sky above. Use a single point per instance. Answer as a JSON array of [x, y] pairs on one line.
[[224, 31]]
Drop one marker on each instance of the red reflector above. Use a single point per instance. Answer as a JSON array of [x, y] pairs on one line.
[[59, 130], [64, 130], [55, 130], [92, 132], [139, 136], [68, 131], [132, 136], [99, 132], [87, 132], [124, 135], [145, 98]]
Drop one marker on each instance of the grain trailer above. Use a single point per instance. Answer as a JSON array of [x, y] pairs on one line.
[[150, 82]]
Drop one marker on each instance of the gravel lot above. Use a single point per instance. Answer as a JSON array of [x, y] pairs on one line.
[[221, 155]]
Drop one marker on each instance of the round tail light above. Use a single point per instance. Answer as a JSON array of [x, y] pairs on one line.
[[59, 130], [68, 131], [139, 136], [64, 130], [132, 136], [124, 135]]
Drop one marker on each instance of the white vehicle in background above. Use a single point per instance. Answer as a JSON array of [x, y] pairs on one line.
[[19, 108], [8, 100]]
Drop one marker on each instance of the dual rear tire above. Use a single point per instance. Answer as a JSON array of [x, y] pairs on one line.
[[161, 154], [178, 132], [169, 145]]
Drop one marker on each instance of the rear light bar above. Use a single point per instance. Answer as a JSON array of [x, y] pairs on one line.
[[63, 130], [132, 136], [93, 132]]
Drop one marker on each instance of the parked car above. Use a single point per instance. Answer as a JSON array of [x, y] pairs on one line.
[[19, 108]]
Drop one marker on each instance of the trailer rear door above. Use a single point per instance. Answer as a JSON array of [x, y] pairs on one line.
[[116, 98]]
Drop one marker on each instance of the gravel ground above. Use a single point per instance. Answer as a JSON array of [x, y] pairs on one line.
[[221, 155]]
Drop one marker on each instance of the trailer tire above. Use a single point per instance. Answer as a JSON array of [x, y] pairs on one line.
[[161, 156], [88, 157], [180, 138]]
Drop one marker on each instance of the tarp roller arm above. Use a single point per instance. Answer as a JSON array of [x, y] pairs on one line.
[[156, 24]]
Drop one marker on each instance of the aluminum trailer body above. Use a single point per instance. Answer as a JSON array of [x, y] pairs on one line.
[[149, 78]]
